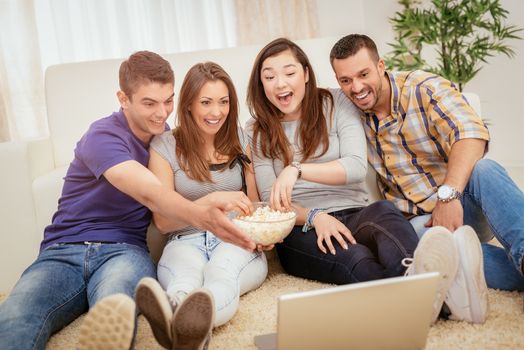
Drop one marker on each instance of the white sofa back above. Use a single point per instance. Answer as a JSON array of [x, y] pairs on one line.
[[79, 93]]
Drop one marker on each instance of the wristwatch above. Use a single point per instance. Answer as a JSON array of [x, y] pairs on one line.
[[298, 166], [447, 193]]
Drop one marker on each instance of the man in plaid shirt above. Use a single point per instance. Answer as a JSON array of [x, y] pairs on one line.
[[426, 144]]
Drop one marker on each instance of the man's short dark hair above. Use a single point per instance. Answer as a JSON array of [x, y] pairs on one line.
[[351, 44]]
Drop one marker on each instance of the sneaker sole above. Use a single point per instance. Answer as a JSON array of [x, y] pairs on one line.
[[109, 325], [471, 260], [193, 321], [152, 301], [446, 264]]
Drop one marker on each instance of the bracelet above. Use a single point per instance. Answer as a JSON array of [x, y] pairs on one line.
[[311, 214]]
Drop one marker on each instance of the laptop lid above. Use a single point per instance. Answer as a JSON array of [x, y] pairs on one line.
[[392, 313]]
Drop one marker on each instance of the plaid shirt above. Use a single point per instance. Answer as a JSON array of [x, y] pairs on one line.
[[409, 149]]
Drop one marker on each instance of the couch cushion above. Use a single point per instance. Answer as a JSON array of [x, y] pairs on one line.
[[46, 192]]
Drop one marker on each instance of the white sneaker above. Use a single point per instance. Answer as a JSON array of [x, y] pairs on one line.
[[193, 320], [467, 298], [109, 325], [153, 303], [435, 252]]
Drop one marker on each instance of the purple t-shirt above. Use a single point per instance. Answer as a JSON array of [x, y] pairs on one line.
[[90, 208]]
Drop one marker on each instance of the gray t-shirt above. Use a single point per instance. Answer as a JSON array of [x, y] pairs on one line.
[[347, 144], [224, 178]]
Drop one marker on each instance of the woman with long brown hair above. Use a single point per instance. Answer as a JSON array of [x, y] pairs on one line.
[[309, 152], [204, 158]]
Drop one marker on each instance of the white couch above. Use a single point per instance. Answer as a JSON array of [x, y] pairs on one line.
[[77, 94]]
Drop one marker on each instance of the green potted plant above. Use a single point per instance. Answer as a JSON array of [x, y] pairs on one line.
[[462, 33]]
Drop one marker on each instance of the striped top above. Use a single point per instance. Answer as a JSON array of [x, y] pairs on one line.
[[224, 178], [347, 145], [409, 149]]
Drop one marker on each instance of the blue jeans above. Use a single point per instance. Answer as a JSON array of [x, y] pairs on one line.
[[384, 237], [63, 283], [202, 260], [493, 205]]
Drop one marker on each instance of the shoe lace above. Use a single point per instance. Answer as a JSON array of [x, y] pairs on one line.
[[173, 300], [410, 267], [208, 340]]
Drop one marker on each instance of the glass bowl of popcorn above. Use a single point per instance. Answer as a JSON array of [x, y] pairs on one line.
[[266, 226]]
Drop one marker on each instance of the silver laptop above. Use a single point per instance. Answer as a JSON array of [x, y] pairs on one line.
[[393, 313]]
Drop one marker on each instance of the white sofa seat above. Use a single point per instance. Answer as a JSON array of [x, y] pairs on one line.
[[18, 240]]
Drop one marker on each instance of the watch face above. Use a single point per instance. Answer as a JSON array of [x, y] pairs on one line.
[[444, 192]]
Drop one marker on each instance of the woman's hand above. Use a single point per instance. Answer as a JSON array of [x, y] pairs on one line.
[[261, 247], [282, 188], [326, 227], [230, 200]]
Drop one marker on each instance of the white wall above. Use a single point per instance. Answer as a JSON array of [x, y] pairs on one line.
[[499, 83], [338, 17]]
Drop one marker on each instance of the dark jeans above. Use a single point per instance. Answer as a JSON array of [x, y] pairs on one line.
[[384, 237]]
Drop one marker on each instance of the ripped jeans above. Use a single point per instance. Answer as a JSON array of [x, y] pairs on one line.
[[203, 260], [63, 283]]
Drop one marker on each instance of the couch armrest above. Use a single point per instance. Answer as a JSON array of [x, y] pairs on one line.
[[19, 239]]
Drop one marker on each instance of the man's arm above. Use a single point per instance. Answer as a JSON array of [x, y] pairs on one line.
[[137, 181], [463, 156], [457, 123], [162, 170]]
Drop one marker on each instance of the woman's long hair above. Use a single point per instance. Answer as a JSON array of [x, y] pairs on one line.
[[189, 141], [313, 131]]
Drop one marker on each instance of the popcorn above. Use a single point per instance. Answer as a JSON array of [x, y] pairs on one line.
[[265, 225]]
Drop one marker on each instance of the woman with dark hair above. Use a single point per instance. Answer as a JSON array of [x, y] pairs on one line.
[[204, 158], [309, 152]]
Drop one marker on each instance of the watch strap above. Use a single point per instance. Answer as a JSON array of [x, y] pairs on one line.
[[298, 166]]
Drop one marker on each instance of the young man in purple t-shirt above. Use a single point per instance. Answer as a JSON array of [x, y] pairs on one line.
[[94, 252]]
